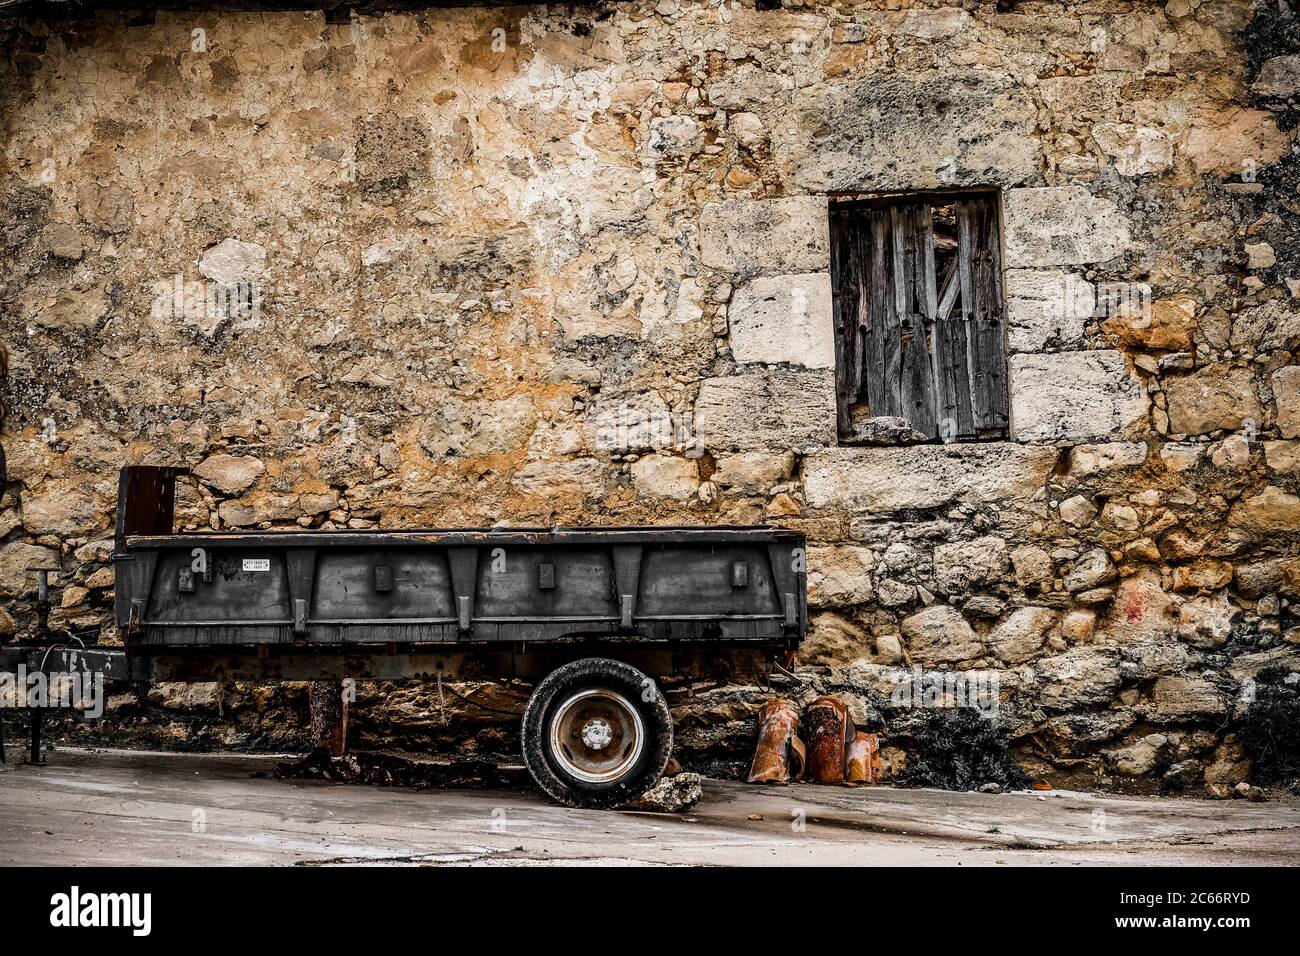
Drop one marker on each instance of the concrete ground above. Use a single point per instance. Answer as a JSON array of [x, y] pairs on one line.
[[136, 808]]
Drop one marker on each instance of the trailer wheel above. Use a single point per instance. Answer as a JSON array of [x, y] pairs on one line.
[[596, 734]]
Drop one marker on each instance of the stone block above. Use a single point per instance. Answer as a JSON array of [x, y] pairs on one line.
[[1073, 396], [1166, 325], [1061, 226], [784, 320], [924, 476], [766, 236], [963, 565], [232, 261], [1136, 150], [230, 474], [1286, 393], [1047, 309], [664, 476], [1283, 456], [769, 410], [897, 132], [839, 576], [939, 635], [1020, 637], [753, 470], [63, 511], [1086, 460], [1273, 509], [1213, 398], [1179, 697], [1084, 676]]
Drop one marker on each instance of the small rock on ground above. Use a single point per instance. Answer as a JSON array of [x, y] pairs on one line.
[[671, 794]]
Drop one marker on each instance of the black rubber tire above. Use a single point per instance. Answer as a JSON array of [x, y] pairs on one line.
[[596, 673]]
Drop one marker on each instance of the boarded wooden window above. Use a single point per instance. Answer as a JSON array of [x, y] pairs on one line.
[[919, 316]]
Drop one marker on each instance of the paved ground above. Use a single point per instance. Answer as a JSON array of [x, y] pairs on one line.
[[122, 807]]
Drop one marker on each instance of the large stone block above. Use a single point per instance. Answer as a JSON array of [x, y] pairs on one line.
[[1265, 328], [63, 511], [1084, 676], [1272, 510], [963, 565], [1047, 309], [940, 635], [622, 423], [1286, 393], [1166, 325], [839, 576], [1061, 226], [784, 319], [1090, 569], [924, 476], [1212, 398], [833, 640], [1140, 758], [1032, 564], [772, 410], [1141, 610], [753, 470], [893, 132], [665, 476], [1073, 396], [1179, 698], [1279, 76], [230, 474], [1020, 637], [1220, 139], [1088, 460], [1283, 456], [557, 480], [916, 25], [766, 236]]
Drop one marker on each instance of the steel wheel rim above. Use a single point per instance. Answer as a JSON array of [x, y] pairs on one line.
[[597, 736]]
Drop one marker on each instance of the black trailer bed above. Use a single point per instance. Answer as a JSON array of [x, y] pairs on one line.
[[448, 586], [593, 616]]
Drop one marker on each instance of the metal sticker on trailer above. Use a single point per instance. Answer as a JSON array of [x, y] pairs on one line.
[[257, 564]]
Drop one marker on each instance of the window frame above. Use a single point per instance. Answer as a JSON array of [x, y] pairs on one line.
[[951, 382]]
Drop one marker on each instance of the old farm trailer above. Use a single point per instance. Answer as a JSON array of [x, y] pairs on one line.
[[597, 618]]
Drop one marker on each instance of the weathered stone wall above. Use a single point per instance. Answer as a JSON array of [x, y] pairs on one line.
[[531, 265]]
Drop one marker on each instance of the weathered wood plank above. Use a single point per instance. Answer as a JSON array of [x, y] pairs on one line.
[[900, 243], [869, 349], [948, 291], [951, 348], [915, 236], [926, 280], [844, 307], [956, 414], [884, 315], [988, 335], [861, 256]]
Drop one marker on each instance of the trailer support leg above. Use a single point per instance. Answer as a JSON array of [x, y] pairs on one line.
[[37, 716], [2, 736], [329, 717]]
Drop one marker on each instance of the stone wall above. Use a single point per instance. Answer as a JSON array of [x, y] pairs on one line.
[[570, 265]]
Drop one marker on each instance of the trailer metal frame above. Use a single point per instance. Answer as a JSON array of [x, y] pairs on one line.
[[672, 602]]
